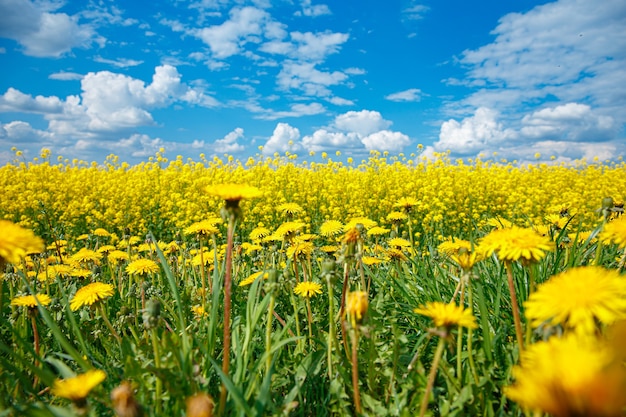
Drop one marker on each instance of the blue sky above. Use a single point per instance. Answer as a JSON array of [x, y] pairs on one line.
[[516, 78]]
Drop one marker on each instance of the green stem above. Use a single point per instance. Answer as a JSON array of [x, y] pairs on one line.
[[470, 353], [332, 337], [431, 376], [268, 332], [108, 323], [310, 319], [515, 307], [355, 370], [157, 364]]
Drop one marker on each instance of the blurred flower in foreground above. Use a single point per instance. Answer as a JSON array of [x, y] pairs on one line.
[[579, 298], [516, 244], [569, 377], [30, 301], [17, 242], [614, 232], [356, 306]]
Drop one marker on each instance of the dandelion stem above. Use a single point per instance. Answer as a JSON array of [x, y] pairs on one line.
[[355, 370], [157, 364], [268, 332], [431, 375], [108, 323], [331, 327], [515, 307]]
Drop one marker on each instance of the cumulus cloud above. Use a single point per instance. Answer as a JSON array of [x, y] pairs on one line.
[[310, 10], [386, 140], [571, 121], [41, 33], [284, 138], [473, 134], [363, 122], [16, 101], [296, 110], [18, 133], [229, 143], [322, 140], [65, 76], [412, 94], [305, 77]]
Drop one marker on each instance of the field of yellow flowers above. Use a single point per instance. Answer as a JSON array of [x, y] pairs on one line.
[[391, 286]]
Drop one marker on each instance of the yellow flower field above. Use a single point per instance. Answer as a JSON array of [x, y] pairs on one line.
[[391, 286]]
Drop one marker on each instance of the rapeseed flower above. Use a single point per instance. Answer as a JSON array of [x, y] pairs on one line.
[[576, 375], [578, 299], [91, 294], [78, 388], [17, 242], [307, 289], [515, 244]]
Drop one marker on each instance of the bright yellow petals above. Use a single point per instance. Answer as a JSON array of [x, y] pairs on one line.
[[85, 255], [570, 376], [515, 244], [614, 232], [447, 315], [399, 243], [307, 289], [578, 299], [30, 301], [142, 267], [78, 388], [234, 192], [90, 294], [253, 277], [406, 203], [290, 209], [204, 228], [17, 242], [331, 228]]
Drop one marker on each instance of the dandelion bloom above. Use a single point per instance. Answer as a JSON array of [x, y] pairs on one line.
[[579, 298], [249, 280], [377, 231], [331, 228], [515, 243], [356, 306], [90, 294], [77, 388], [142, 267], [287, 230], [307, 289], [31, 300], [290, 209], [86, 255], [300, 249], [364, 221], [101, 232], [447, 315], [258, 233], [234, 192], [570, 376], [17, 242], [204, 228], [406, 203], [614, 232], [399, 243], [397, 216]]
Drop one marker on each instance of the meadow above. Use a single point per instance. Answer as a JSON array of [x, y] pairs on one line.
[[390, 286]]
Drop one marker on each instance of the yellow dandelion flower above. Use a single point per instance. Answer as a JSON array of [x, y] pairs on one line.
[[117, 256], [371, 260], [499, 223], [142, 267], [77, 388], [204, 228], [101, 232], [452, 246], [250, 248], [30, 301], [290, 209], [329, 248], [515, 243], [579, 298], [331, 228], [356, 306], [581, 237], [570, 376], [258, 233], [105, 249], [397, 216], [287, 230], [17, 242], [447, 315], [407, 203], [307, 289], [85, 255], [234, 192], [614, 232], [364, 221], [399, 243], [198, 311], [300, 249], [90, 294], [249, 280], [377, 231]]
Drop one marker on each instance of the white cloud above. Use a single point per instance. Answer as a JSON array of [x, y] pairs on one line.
[[317, 46], [296, 110], [139, 146], [65, 76], [245, 25], [473, 134], [310, 10], [571, 121], [16, 101], [363, 122], [305, 77], [119, 63], [339, 101], [19, 133], [322, 140], [412, 94], [386, 140], [415, 12], [284, 138], [229, 143], [42, 33]]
